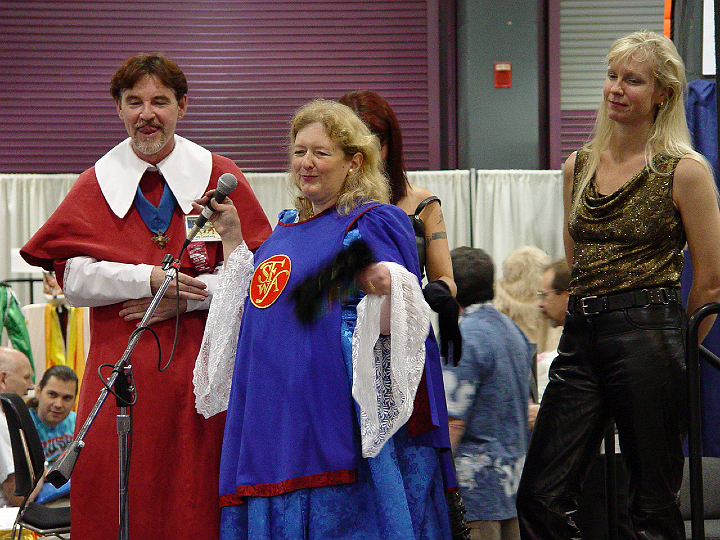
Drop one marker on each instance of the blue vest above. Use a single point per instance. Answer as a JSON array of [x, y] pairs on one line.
[[291, 418]]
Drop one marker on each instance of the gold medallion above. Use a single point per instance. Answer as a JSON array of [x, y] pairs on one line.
[[160, 238]]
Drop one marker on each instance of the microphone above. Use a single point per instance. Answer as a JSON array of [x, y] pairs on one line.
[[226, 185]]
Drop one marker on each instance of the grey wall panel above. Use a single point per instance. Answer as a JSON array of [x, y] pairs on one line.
[[497, 127]]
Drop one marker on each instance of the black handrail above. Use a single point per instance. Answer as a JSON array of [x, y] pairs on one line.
[[29, 281], [709, 357], [693, 352]]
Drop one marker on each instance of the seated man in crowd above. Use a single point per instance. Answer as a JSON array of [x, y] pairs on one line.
[[16, 375], [54, 419], [52, 410]]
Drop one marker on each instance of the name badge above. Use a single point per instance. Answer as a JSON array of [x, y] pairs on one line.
[[206, 234]]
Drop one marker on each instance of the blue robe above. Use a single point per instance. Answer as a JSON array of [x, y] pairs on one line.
[[291, 463]]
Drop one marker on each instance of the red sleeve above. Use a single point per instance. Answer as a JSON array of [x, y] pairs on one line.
[[255, 225], [78, 217]]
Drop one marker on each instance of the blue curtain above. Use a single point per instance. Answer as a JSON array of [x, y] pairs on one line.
[[701, 111]]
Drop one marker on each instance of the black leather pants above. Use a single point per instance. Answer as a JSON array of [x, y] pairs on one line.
[[626, 365]]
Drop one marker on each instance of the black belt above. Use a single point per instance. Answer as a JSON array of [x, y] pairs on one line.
[[593, 305]]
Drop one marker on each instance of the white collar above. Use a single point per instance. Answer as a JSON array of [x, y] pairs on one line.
[[186, 170]]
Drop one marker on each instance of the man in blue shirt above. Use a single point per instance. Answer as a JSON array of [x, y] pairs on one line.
[[487, 395], [53, 414], [54, 420]]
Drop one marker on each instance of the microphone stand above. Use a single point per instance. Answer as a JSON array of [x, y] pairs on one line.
[[121, 376]]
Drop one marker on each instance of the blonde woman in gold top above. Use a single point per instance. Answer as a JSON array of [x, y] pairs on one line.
[[634, 197]]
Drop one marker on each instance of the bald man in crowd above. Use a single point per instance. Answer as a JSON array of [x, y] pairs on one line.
[[16, 375]]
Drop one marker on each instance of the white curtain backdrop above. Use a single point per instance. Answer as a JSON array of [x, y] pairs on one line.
[[496, 210], [517, 208], [26, 201], [273, 191]]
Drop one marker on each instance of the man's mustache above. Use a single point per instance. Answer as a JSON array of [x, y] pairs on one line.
[[151, 124]]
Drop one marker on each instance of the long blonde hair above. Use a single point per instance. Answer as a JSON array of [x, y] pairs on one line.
[[346, 130], [669, 134], [516, 293]]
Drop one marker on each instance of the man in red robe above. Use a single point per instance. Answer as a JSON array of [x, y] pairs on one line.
[[106, 242]]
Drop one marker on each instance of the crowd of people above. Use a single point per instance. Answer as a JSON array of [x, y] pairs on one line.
[[308, 396]]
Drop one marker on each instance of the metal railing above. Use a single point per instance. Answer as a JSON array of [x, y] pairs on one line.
[[29, 281], [693, 354]]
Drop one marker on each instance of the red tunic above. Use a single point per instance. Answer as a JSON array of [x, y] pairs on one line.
[[175, 454]]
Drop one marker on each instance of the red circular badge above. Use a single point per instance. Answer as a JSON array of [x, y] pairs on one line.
[[269, 280]]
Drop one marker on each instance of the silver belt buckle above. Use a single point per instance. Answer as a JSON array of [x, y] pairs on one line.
[[584, 306], [666, 293], [648, 297]]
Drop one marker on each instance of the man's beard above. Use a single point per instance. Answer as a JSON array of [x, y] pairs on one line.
[[149, 147]]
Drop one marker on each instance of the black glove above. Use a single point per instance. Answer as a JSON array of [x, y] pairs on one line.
[[437, 295], [335, 281]]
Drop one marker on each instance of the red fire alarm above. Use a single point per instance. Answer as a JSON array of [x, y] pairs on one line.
[[503, 75]]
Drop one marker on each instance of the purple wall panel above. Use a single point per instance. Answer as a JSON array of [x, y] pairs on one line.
[[249, 65], [576, 127]]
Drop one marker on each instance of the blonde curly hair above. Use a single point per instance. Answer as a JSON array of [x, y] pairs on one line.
[[516, 293], [344, 127]]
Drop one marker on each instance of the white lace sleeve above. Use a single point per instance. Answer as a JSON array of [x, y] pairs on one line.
[[212, 375], [384, 385]]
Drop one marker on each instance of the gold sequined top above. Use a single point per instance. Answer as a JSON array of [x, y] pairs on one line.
[[630, 239]]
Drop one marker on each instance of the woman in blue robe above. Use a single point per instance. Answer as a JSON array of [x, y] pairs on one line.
[[332, 426]]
